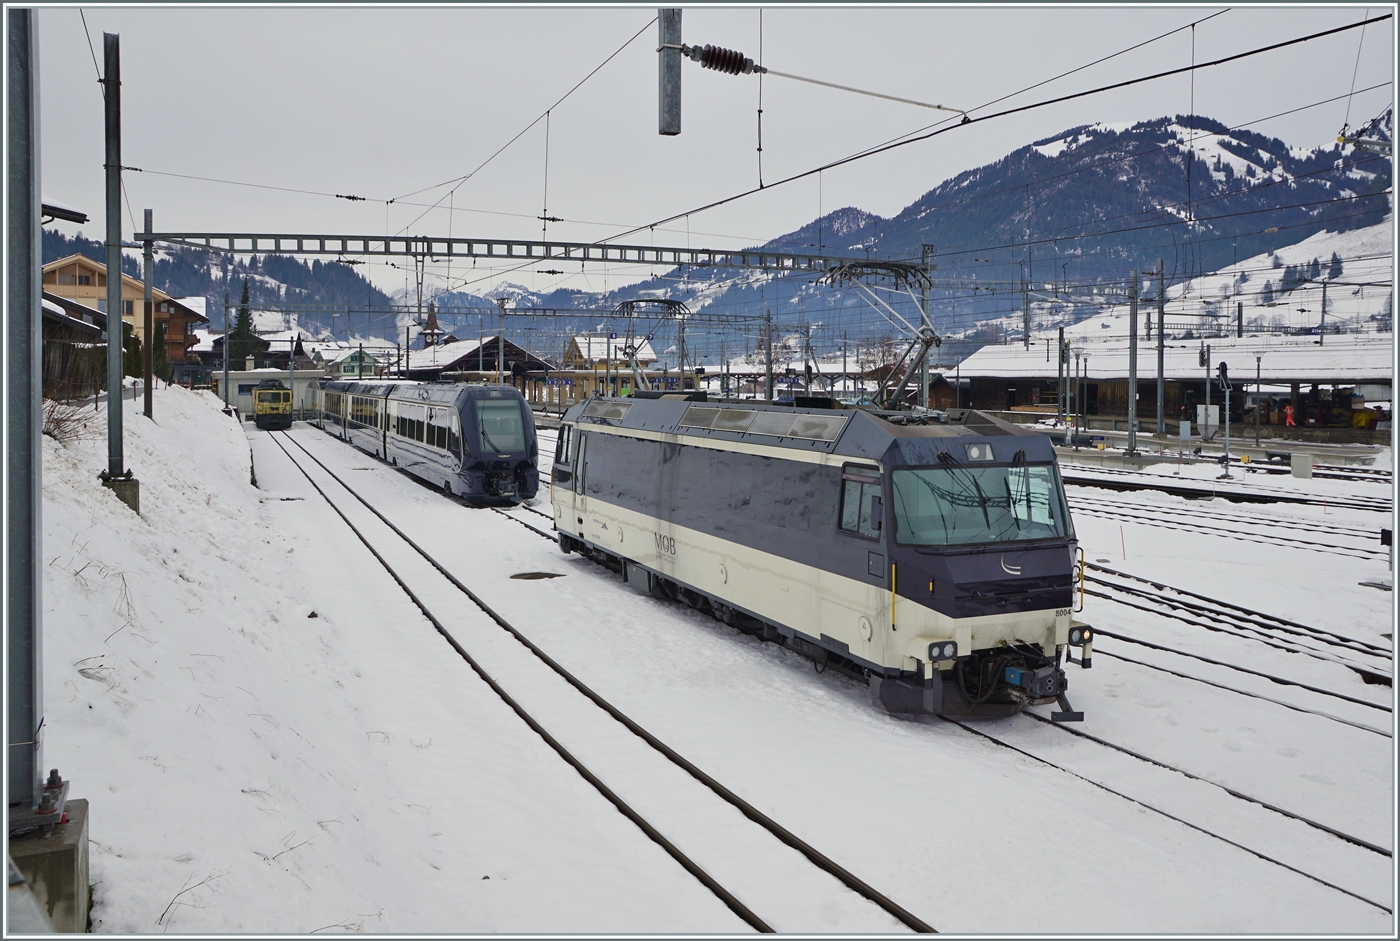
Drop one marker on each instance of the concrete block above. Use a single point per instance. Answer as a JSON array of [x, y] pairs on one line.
[[56, 867], [1302, 465], [128, 491]]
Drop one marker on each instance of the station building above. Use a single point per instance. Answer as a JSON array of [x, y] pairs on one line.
[[1333, 384]]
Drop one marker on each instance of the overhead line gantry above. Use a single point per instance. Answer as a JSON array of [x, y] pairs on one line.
[[523, 250]]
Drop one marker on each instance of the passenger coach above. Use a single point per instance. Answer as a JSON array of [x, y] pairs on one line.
[[935, 558], [472, 440]]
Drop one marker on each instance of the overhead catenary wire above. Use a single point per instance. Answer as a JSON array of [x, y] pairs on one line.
[[456, 182], [1355, 67], [1004, 113]]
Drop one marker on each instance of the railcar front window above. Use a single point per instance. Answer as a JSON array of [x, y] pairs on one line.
[[959, 505], [502, 429]]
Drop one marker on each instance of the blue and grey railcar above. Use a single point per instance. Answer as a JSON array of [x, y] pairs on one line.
[[936, 558], [472, 440]]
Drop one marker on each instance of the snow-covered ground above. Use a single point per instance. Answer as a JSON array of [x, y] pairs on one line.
[[273, 738]]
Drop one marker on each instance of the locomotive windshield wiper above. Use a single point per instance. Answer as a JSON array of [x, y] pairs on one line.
[[1011, 503], [487, 438]]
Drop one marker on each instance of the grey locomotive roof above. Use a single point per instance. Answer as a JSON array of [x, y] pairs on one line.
[[441, 393], [855, 432]]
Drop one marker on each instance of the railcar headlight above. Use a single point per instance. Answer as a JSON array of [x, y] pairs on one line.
[[943, 650], [1080, 635]]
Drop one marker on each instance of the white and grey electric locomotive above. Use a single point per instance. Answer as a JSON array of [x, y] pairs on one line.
[[472, 440], [932, 554]]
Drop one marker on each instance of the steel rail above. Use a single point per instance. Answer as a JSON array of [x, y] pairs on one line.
[[1354, 502], [724, 895], [1218, 617], [1354, 840], [1299, 523], [1231, 689], [1292, 626], [820, 860], [526, 523], [1231, 666], [1169, 816], [1208, 530]]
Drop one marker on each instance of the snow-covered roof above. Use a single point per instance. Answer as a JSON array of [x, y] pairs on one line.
[[195, 303], [1343, 358]]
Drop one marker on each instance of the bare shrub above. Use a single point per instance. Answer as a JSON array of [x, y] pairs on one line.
[[69, 421]]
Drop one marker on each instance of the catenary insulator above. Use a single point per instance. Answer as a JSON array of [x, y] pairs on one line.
[[722, 60]]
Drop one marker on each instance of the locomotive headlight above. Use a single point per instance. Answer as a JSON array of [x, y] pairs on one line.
[[943, 650], [1080, 635]]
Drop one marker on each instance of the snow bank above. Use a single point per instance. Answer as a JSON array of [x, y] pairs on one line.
[[259, 759]]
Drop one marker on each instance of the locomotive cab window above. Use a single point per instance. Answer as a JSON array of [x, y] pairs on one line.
[[502, 428], [861, 502], [561, 447], [961, 504]]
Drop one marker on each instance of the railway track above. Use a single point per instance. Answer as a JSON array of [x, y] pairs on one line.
[[1323, 471], [609, 750], [1370, 659], [1330, 527], [1264, 808], [1185, 520], [534, 519], [1112, 478], [1275, 833]]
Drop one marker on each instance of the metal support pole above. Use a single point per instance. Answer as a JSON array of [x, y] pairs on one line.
[[768, 353], [1026, 310], [111, 50], [1132, 361], [148, 360], [24, 610], [1226, 384], [1161, 346], [501, 345], [226, 342], [668, 119], [1205, 425], [1060, 379], [680, 332], [1259, 391], [1239, 319], [925, 323], [1322, 327], [292, 374], [1078, 393]]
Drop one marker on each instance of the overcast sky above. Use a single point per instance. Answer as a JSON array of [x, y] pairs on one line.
[[383, 103]]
